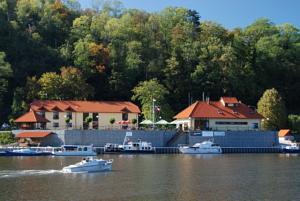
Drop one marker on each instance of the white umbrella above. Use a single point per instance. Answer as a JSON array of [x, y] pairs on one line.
[[146, 122], [162, 122]]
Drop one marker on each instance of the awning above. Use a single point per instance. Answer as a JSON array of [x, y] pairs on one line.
[[33, 134], [124, 122]]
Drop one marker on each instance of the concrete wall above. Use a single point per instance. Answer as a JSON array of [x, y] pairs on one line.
[[100, 138], [239, 138], [160, 138]]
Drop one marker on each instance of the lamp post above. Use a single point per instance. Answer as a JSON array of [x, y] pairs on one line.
[[153, 112]]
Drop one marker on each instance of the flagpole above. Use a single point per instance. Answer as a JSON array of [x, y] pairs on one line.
[[153, 112]]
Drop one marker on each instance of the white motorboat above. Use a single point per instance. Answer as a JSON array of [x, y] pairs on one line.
[[205, 147], [291, 148], [110, 147], [74, 150], [27, 152], [89, 164], [138, 147]]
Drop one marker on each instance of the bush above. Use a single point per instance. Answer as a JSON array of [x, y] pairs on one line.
[[294, 122], [88, 120], [133, 121], [112, 121], [7, 138]]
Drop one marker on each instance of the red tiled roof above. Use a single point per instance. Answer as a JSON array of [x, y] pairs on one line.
[[216, 110], [284, 132], [230, 100], [33, 134], [31, 117], [85, 106]]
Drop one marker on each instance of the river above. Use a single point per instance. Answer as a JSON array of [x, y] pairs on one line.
[[154, 177]]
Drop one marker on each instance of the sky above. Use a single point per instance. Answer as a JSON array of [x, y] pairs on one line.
[[229, 13]]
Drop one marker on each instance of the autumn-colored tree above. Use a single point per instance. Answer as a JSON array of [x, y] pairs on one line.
[[70, 84]]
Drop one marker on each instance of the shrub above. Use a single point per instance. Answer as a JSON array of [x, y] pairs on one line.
[[133, 121], [112, 121], [7, 138]]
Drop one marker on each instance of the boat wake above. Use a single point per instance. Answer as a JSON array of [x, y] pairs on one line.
[[22, 173]]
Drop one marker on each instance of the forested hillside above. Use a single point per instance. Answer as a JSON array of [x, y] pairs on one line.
[[55, 50]]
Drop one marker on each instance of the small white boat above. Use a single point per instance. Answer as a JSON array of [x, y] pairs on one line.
[[291, 148], [89, 165], [110, 147], [27, 152], [74, 150], [205, 147], [138, 147]]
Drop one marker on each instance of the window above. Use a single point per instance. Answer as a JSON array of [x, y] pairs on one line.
[[55, 115], [84, 117], [55, 125], [69, 115], [41, 113], [69, 124], [95, 120], [124, 116], [230, 123], [255, 125]]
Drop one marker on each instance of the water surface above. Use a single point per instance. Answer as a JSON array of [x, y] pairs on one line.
[[154, 177]]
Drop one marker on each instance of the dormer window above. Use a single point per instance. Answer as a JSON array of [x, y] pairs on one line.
[[69, 115], [41, 113], [55, 115], [220, 112]]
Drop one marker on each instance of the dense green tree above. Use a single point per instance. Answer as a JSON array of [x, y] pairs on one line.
[[115, 49], [5, 75], [294, 123], [148, 91], [272, 107]]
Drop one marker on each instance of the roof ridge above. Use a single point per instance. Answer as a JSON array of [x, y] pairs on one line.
[[196, 104]]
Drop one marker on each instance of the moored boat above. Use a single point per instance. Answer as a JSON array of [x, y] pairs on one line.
[[291, 148], [74, 150], [89, 164], [205, 147], [138, 147], [27, 152], [110, 148]]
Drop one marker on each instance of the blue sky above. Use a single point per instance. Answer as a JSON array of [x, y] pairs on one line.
[[229, 13]]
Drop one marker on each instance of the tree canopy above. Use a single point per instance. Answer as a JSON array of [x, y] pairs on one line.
[[272, 107], [115, 50]]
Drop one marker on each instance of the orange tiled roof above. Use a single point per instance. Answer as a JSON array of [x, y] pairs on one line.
[[31, 117], [85, 106], [33, 134], [215, 109], [284, 132]]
